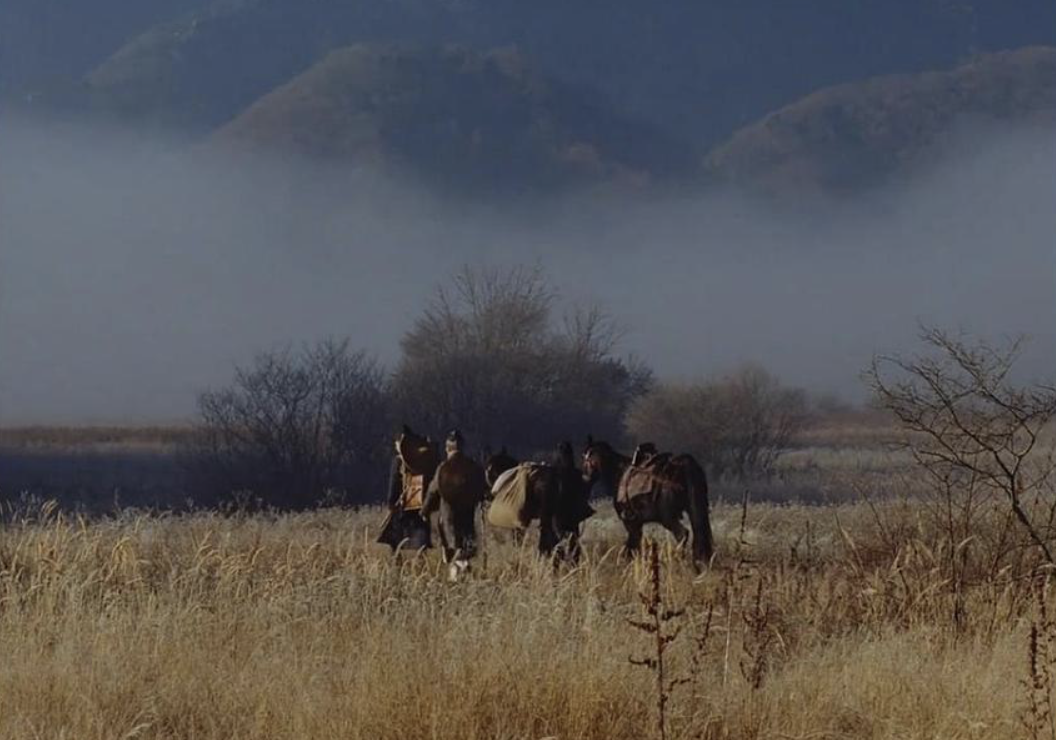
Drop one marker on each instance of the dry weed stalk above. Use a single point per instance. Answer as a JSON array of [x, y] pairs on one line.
[[701, 648], [662, 624], [1039, 719], [758, 640]]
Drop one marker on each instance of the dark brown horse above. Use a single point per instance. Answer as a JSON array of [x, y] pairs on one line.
[[458, 488], [556, 496], [677, 486]]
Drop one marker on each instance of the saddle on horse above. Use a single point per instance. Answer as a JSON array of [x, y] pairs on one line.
[[648, 472]]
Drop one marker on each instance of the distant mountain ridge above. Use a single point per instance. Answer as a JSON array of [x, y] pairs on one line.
[[201, 70], [698, 70], [765, 93], [844, 138], [48, 44], [476, 121]]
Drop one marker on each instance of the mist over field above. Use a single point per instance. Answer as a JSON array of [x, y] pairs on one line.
[[136, 271]]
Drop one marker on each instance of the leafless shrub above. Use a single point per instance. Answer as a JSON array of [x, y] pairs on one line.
[[293, 428], [739, 425], [976, 434], [487, 356]]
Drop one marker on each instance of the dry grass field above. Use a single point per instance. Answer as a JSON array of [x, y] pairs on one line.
[[869, 617], [815, 622]]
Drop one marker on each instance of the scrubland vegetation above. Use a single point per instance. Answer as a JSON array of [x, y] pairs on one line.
[[833, 622], [915, 604]]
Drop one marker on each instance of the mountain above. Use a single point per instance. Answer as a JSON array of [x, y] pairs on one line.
[[201, 70], [470, 120], [848, 137], [48, 44], [627, 79], [696, 69]]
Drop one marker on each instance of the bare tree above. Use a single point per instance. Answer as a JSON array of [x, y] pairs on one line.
[[488, 356], [738, 425], [969, 426], [294, 428]]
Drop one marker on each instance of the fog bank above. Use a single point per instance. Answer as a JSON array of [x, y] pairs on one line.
[[134, 273]]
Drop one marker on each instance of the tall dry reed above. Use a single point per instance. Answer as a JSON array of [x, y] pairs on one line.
[[301, 627]]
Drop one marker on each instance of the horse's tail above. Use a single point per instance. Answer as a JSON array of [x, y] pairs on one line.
[[699, 514]]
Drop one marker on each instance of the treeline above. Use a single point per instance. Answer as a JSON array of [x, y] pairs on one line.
[[491, 356]]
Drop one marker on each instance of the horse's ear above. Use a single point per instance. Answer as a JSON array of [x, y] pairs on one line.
[[590, 440], [407, 430], [504, 451]]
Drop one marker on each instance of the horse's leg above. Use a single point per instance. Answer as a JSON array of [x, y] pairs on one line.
[[543, 491], [466, 531], [548, 537], [446, 527], [699, 516], [571, 549], [673, 524], [456, 533], [634, 537]]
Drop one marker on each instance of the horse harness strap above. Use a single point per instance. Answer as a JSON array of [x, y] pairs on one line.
[[413, 498]]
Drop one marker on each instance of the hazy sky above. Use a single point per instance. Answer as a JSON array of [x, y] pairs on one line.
[[134, 274]]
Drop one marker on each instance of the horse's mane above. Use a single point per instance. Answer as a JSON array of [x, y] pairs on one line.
[[604, 449]]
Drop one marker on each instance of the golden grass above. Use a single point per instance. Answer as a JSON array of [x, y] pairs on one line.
[[301, 627]]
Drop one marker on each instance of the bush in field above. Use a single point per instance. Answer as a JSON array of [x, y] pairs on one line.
[[737, 425], [978, 436], [294, 428], [488, 356]]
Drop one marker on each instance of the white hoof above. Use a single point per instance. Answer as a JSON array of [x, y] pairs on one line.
[[457, 569]]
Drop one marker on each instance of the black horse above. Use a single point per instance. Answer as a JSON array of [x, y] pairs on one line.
[[556, 495], [678, 486]]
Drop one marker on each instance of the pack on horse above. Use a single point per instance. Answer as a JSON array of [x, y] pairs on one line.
[[653, 487], [456, 491], [553, 493], [413, 468]]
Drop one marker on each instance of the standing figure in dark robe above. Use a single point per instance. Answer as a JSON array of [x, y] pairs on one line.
[[412, 471]]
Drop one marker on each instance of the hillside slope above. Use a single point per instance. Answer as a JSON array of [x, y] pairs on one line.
[[468, 119], [697, 69], [46, 44], [201, 70], [853, 136]]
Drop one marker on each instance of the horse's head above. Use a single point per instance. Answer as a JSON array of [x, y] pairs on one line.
[[565, 457], [497, 464], [596, 460], [602, 466]]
